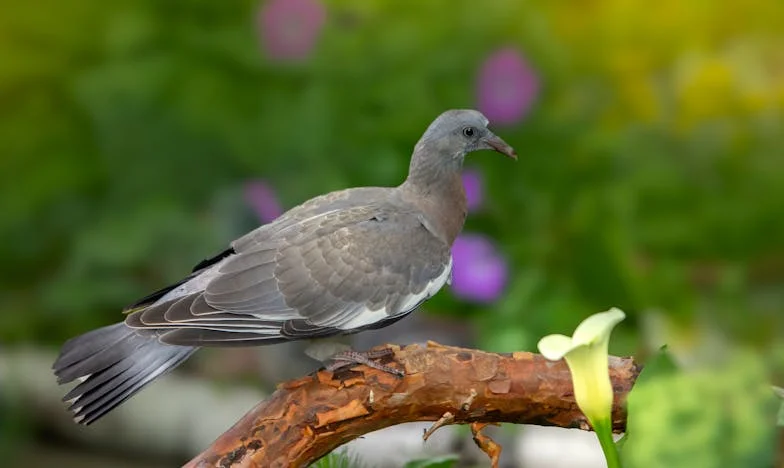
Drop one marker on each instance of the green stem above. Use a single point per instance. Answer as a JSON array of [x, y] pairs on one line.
[[603, 430]]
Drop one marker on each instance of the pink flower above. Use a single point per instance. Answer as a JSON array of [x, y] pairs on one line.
[[289, 28], [261, 198], [479, 273], [472, 183], [507, 87]]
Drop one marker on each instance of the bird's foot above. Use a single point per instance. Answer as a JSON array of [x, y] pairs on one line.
[[368, 358]]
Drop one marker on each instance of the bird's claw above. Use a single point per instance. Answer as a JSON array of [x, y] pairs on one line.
[[367, 358]]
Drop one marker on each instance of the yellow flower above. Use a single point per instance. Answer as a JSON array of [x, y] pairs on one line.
[[586, 354]]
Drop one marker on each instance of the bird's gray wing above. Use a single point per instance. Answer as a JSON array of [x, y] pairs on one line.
[[339, 271], [301, 215]]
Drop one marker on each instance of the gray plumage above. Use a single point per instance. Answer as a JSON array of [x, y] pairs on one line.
[[337, 264]]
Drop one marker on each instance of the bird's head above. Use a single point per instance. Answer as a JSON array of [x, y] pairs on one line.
[[458, 132]]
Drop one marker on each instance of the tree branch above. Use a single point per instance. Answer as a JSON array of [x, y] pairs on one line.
[[307, 418]]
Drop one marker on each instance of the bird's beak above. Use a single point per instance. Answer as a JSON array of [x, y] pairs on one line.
[[495, 143]]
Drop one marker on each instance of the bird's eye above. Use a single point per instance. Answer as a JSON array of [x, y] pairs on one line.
[[469, 132]]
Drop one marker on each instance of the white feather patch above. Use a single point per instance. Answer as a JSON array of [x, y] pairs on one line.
[[370, 316]]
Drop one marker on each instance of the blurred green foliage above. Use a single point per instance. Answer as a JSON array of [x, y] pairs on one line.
[[780, 418], [731, 411], [445, 461], [650, 176], [340, 459], [15, 428]]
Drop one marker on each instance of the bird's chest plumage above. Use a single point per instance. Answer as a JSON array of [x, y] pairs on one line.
[[446, 209]]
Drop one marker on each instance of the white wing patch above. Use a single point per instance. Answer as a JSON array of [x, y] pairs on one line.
[[364, 317], [368, 316]]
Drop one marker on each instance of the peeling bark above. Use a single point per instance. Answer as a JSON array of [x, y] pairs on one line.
[[307, 418]]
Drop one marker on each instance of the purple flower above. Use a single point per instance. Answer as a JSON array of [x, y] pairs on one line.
[[479, 272], [289, 28], [260, 196], [472, 183], [507, 87]]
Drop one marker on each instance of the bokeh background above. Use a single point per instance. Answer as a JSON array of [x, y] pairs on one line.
[[138, 137]]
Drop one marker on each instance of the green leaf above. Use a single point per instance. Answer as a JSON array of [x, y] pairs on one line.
[[444, 461], [619, 444], [659, 365], [338, 459]]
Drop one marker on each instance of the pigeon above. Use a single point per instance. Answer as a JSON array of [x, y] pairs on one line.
[[350, 260]]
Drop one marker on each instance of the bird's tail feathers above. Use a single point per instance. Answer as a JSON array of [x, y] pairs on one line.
[[112, 364]]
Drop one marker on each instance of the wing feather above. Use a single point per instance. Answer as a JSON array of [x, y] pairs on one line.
[[336, 271]]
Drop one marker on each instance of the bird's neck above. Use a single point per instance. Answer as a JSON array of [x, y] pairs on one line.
[[437, 190]]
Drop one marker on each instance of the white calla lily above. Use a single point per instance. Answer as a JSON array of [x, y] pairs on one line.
[[586, 354], [587, 357]]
